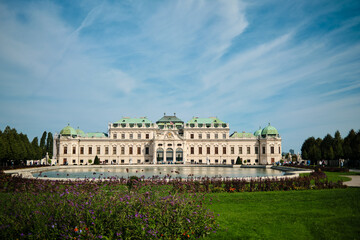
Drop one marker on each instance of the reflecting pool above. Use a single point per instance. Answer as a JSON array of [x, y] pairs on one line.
[[148, 172]]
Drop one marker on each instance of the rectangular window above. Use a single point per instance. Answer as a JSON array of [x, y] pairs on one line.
[[139, 135], [81, 160], [106, 150], [279, 150], [232, 150], [130, 150], [208, 136], [122, 161], [216, 150], [98, 150], [81, 150], [208, 150], [123, 136], [74, 150], [114, 150], [74, 161], [200, 136], [272, 150], [138, 150], [224, 150], [90, 150], [224, 136], [216, 161], [240, 150], [146, 150], [192, 136], [248, 150], [147, 136], [122, 150], [256, 150], [200, 150], [191, 150], [263, 150], [115, 136], [131, 136], [65, 150], [216, 136]]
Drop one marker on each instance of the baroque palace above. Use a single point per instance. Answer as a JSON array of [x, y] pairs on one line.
[[168, 141]]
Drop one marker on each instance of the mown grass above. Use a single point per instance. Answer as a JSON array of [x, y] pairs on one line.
[[309, 214], [337, 176]]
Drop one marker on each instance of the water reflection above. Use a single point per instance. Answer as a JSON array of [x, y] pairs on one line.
[[148, 172]]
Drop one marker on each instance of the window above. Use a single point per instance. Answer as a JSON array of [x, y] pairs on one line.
[[138, 150], [192, 136], [115, 136], [240, 150], [200, 150], [191, 150], [208, 136], [122, 150], [114, 150], [106, 150], [200, 161], [146, 150], [81, 150], [122, 161], [256, 160], [216, 161], [65, 150], [279, 150], [216, 150], [139, 135], [232, 150], [90, 150], [256, 150], [138, 161], [74, 161], [131, 136], [74, 150], [98, 150], [130, 150], [147, 136], [224, 136], [82, 161], [179, 145], [123, 136], [263, 150], [248, 150], [160, 144], [200, 136], [207, 150], [216, 136], [272, 150], [224, 150]]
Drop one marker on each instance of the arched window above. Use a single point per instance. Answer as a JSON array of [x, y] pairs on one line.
[[160, 155], [179, 155], [169, 154]]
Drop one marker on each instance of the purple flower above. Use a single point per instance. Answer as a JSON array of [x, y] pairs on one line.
[[188, 220]]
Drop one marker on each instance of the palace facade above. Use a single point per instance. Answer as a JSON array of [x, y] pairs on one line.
[[168, 141]]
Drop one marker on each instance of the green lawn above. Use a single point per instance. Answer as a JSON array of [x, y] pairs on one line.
[[310, 214], [337, 176]]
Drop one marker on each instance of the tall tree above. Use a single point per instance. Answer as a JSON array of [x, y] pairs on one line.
[[327, 151], [49, 144], [42, 143], [338, 146]]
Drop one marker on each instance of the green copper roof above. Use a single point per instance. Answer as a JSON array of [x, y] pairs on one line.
[[80, 133], [241, 135], [269, 130], [258, 132], [168, 119], [133, 120], [205, 120], [68, 131], [96, 135]]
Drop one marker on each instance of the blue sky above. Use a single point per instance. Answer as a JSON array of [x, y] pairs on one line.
[[295, 64]]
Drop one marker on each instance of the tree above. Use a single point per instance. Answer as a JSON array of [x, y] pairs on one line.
[[36, 148], [326, 147], [42, 144], [238, 161], [49, 144], [96, 160], [338, 146]]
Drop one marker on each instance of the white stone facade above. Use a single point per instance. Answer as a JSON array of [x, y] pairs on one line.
[[142, 143]]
